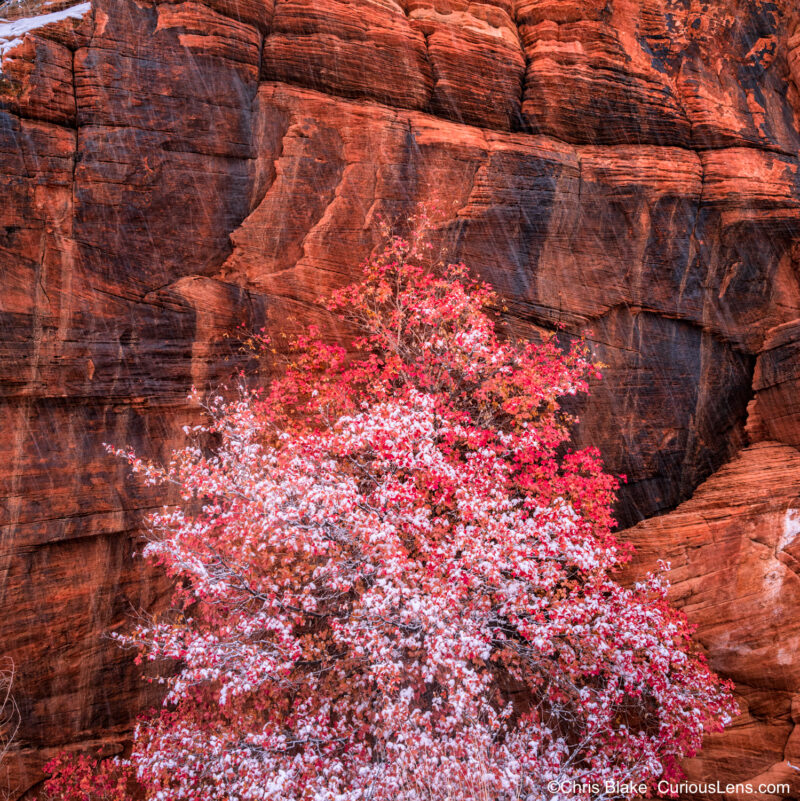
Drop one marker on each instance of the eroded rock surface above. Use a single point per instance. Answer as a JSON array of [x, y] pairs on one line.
[[626, 170], [734, 550]]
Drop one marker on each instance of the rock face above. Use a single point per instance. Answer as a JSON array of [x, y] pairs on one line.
[[734, 552], [625, 169]]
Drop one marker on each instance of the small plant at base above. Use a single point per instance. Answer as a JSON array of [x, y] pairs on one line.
[[394, 579], [80, 777]]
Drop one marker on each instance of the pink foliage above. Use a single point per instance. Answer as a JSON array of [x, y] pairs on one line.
[[80, 777], [395, 579]]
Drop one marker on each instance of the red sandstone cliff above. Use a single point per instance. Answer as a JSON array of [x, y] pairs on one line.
[[627, 169]]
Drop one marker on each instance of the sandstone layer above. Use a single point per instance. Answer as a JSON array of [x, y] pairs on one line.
[[626, 170], [734, 554]]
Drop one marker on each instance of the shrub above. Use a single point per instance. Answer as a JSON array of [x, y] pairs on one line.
[[80, 777]]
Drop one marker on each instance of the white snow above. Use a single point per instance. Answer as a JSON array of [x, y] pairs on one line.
[[8, 45], [12, 33], [791, 528]]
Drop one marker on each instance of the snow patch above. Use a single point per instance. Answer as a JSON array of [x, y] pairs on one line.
[[13, 33], [8, 45], [791, 528]]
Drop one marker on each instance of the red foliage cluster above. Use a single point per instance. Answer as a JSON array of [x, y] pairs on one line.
[[80, 777]]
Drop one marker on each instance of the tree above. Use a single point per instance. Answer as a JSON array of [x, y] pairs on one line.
[[394, 577]]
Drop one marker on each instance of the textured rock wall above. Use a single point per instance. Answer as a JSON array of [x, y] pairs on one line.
[[735, 556], [625, 169]]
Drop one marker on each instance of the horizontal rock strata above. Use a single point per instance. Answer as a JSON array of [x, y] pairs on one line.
[[735, 569]]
